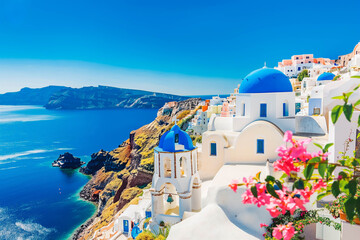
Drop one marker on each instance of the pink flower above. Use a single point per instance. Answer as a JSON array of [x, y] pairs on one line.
[[319, 185], [233, 185], [248, 181], [263, 225], [285, 232], [288, 136]]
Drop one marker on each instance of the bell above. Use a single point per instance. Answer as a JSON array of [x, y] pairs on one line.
[[170, 199]]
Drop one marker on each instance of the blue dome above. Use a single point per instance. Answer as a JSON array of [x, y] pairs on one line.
[[265, 80], [326, 76], [175, 136]]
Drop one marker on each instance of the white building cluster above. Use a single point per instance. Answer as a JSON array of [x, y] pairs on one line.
[[240, 136]]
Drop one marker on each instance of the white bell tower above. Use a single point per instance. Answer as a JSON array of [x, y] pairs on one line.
[[176, 185]]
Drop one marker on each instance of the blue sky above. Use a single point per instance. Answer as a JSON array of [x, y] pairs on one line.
[[184, 47]]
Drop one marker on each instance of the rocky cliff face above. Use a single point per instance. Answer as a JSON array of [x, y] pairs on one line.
[[30, 96], [103, 97], [123, 172]]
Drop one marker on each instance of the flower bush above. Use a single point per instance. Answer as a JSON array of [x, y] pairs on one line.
[[287, 225], [283, 199]]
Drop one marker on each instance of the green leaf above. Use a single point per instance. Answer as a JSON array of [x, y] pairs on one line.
[[270, 178], [299, 184], [322, 168], [308, 171], [327, 146], [347, 95], [352, 187], [330, 170], [349, 205], [336, 112], [335, 190], [357, 205], [283, 176], [359, 121], [339, 97], [254, 191], [357, 87], [343, 174], [357, 103], [348, 111], [318, 145], [315, 160], [271, 190]]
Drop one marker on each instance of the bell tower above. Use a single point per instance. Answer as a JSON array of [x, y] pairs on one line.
[[176, 185]]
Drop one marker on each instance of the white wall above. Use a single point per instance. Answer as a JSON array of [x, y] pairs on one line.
[[339, 132]]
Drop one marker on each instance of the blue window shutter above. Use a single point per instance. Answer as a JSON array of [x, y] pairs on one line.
[[260, 146], [263, 110], [285, 110], [213, 149]]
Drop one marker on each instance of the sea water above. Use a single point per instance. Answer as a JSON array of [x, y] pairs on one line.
[[38, 201]]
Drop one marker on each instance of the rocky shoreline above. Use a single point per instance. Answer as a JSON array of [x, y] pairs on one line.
[[119, 176], [82, 228]]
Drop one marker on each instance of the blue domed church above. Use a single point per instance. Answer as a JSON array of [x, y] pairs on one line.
[[265, 109], [176, 186]]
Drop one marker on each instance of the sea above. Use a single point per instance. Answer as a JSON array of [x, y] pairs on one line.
[[38, 201]]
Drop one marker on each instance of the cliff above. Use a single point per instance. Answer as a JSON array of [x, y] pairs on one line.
[[30, 96], [121, 173], [102, 97]]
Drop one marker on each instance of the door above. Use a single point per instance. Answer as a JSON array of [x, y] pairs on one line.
[[126, 226]]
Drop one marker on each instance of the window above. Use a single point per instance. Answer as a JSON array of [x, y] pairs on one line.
[[212, 149], [297, 107], [176, 138], [183, 167], [285, 109], [262, 109], [148, 214], [299, 68], [243, 109], [260, 146]]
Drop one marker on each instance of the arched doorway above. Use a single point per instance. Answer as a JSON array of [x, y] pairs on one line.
[[170, 200]]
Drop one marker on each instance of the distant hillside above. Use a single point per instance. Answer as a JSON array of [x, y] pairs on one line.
[[30, 96], [101, 97]]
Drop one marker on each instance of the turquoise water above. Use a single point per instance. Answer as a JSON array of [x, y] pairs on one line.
[[38, 201]]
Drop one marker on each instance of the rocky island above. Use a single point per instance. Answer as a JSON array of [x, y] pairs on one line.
[[67, 160], [101, 97]]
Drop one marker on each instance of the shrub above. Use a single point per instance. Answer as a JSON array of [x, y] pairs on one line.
[[304, 73], [145, 235]]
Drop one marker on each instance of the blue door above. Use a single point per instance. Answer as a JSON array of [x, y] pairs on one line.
[[126, 226], [148, 214]]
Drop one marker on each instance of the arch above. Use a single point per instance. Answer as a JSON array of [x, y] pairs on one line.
[[170, 208], [183, 166], [248, 148], [167, 167]]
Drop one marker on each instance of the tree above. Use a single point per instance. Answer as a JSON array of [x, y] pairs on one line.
[[304, 73]]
